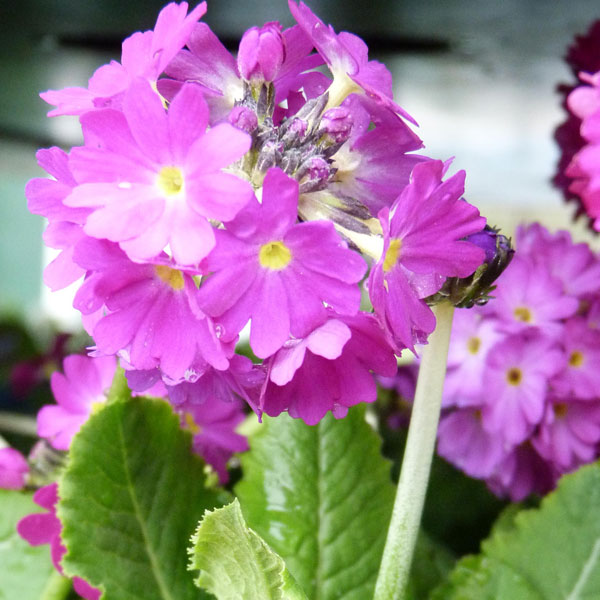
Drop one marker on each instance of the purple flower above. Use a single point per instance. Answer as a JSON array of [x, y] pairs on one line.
[[472, 338], [152, 317], [45, 528], [569, 433], [516, 382], [83, 386], [528, 295], [422, 245], [464, 442], [581, 376], [270, 269], [328, 370], [144, 55], [154, 178], [522, 473], [574, 265], [13, 469]]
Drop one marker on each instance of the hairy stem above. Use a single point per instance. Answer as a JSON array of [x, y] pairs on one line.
[[394, 572]]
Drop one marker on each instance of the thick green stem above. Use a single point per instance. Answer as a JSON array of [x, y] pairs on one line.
[[393, 575]]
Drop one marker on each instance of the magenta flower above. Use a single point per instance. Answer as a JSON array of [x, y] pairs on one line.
[[212, 423], [144, 55], [374, 166], [153, 319], [347, 57], [516, 382], [422, 246], [45, 528], [13, 469], [83, 386], [341, 355], [154, 178], [278, 273]]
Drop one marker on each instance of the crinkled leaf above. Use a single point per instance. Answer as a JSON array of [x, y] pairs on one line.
[[131, 496], [236, 563], [321, 497], [25, 571], [547, 553]]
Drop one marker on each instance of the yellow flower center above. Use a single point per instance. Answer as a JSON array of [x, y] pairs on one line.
[[514, 376], [392, 255], [275, 256], [522, 313], [190, 424], [172, 277], [170, 181], [560, 410], [576, 359], [473, 345]]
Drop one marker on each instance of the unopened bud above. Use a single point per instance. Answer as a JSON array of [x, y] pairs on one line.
[[261, 53], [243, 118], [476, 289], [337, 124]]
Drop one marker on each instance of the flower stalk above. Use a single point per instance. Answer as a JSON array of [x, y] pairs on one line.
[[394, 572]]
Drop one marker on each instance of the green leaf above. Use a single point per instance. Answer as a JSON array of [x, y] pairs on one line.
[[547, 553], [236, 563], [131, 496], [432, 563], [321, 497], [25, 571]]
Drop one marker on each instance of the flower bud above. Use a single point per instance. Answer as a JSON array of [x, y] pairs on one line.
[[337, 124], [475, 289], [261, 53], [243, 118]]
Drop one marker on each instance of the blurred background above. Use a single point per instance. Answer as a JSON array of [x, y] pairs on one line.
[[479, 76]]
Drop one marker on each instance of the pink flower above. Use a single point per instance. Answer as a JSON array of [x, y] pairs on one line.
[[154, 178], [13, 469], [153, 319], [278, 273], [84, 384], [261, 53], [422, 246], [144, 55], [45, 528]]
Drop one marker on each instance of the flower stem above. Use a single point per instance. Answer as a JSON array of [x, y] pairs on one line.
[[18, 423], [394, 572]]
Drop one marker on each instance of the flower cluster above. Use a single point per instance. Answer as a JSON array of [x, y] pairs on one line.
[[579, 136], [522, 394], [215, 193]]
